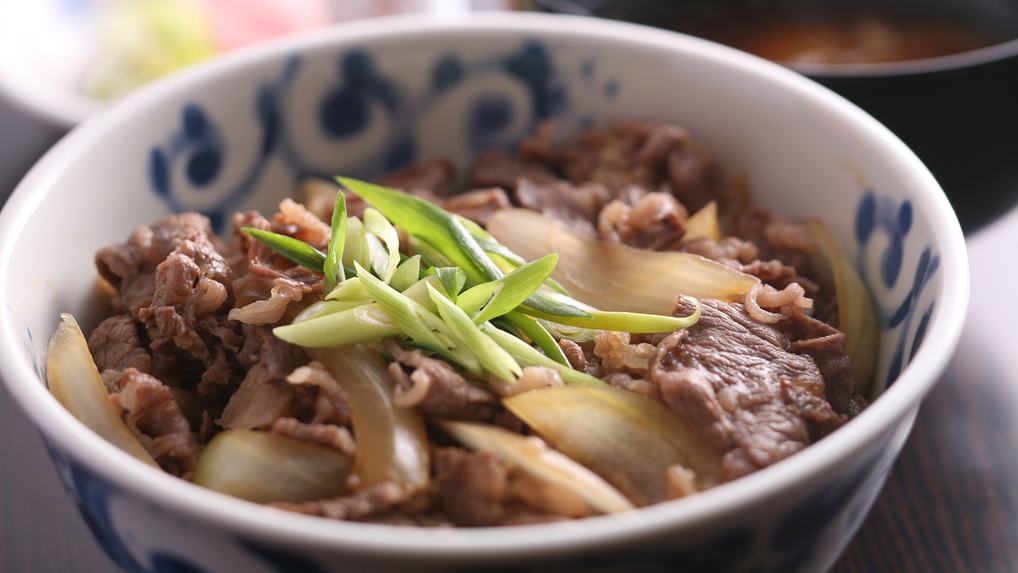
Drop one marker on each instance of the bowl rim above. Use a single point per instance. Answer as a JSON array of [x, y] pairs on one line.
[[280, 527]]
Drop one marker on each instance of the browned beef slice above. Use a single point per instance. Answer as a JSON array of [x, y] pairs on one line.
[[739, 382], [610, 156], [471, 486], [265, 268], [776, 237], [264, 393], [477, 205], [655, 221], [495, 167], [692, 176], [327, 435], [826, 346], [575, 205], [435, 388], [152, 414], [115, 347], [375, 500], [437, 176]]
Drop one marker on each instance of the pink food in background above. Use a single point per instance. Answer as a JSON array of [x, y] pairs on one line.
[[236, 23]]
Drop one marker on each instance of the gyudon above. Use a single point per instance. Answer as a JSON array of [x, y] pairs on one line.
[[564, 339]]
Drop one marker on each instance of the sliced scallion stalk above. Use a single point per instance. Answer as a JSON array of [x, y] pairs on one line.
[[526, 355], [296, 250], [623, 321], [360, 324], [407, 273], [376, 224], [492, 357], [491, 299], [541, 337], [333, 267]]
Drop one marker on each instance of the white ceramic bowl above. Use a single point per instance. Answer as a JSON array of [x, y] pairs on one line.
[[237, 133]]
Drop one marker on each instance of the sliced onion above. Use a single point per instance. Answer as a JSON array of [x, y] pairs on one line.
[[392, 443], [615, 277], [533, 456], [75, 382], [857, 316], [628, 439], [703, 224], [264, 467]]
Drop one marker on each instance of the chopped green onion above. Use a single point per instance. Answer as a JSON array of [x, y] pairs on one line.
[[296, 250], [357, 249], [491, 356], [333, 267], [350, 290], [376, 224], [416, 321], [526, 355], [623, 321], [430, 223], [536, 332], [360, 324], [491, 299], [406, 274]]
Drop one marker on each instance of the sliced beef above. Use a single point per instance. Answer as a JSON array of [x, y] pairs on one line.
[[148, 408], [437, 176], [264, 394], [372, 501], [495, 167], [654, 221], [776, 237], [115, 347], [826, 346], [435, 388], [328, 400], [471, 486], [328, 435], [743, 386], [173, 278], [577, 206], [477, 205]]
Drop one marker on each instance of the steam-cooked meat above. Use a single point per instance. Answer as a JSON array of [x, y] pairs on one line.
[[437, 176], [826, 346], [471, 486], [435, 388], [495, 167], [477, 205], [148, 407], [327, 435], [371, 501], [115, 347], [742, 385], [575, 205], [264, 394]]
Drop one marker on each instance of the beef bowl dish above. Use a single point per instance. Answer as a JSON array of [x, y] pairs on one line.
[[512, 292]]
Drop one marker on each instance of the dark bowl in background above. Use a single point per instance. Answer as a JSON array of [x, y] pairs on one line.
[[959, 112]]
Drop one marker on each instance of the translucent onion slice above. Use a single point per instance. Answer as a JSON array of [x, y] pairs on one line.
[[264, 467], [703, 224], [533, 456], [628, 439], [857, 316], [615, 277], [75, 382], [392, 444]]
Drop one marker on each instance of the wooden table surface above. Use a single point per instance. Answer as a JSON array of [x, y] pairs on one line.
[[950, 504]]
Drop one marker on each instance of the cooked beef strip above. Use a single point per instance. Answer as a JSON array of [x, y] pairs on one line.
[[826, 346], [437, 176], [742, 385], [115, 347], [371, 501], [471, 486], [148, 408], [575, 205], [477, 205], [495, 167], [435, 388], [328, 435], [264, 394]]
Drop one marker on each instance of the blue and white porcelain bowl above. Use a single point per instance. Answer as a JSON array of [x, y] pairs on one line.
[[240, 132]]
